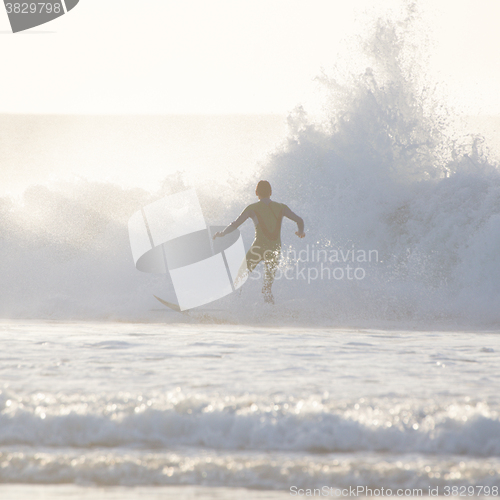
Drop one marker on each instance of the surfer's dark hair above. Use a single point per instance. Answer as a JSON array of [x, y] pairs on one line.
[[263, 189]]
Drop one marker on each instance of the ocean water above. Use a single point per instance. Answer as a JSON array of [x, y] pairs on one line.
[[377, 368], [234, 408]]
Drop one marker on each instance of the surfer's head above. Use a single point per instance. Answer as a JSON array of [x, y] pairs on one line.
[[263, 189]]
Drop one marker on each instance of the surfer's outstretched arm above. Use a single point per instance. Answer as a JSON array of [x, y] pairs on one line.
[[300, 222], [235, 224]]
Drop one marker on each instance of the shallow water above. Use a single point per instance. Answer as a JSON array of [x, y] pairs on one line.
[[108, 405], [65, 492]]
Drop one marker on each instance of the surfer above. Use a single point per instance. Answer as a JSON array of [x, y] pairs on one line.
[[267, 216]]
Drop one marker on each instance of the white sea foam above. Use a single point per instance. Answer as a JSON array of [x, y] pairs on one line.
[[251, 442], [249, 423], [165, 403], [269, 471], [381, 169], [227, 405]]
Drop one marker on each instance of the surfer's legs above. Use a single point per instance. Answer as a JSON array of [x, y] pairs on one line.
[[271, 263], [254, 256], [271, 257], [268, 283]]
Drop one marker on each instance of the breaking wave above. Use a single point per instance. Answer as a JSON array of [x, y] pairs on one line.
[[253, 423], [379, 168], [248, 441]]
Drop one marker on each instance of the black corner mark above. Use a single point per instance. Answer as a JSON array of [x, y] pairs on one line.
[[24, 15]]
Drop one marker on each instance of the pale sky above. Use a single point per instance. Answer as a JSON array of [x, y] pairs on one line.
[[223, 56]]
